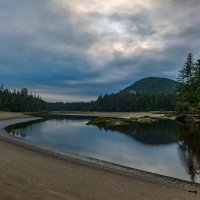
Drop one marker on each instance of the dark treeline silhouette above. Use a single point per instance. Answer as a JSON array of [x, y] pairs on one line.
[[20, 101], [122, 101], [73, 106], [135, 102]]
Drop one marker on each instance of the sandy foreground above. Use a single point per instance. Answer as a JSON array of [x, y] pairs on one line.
[[27, 172]]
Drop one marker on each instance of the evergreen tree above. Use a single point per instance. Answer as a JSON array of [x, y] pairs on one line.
[[20, 101], [188, 87], [184, 86], [197, 84], [186, 74]]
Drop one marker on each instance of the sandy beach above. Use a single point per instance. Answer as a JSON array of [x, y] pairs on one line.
[[28, 172], [11, 115]]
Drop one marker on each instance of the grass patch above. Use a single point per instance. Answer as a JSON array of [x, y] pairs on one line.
[[103, 122]]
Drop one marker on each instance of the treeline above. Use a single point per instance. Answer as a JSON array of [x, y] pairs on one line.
[[74, 106], [123, 101], [20, 101], [126, 101], [185, 98], [188, 87]]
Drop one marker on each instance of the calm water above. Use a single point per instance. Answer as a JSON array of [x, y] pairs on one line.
[[162, 147]]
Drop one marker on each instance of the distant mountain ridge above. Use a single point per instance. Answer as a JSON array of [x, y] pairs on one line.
[[152, 85]]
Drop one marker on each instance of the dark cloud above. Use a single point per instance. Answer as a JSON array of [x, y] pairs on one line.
[[80, 49]]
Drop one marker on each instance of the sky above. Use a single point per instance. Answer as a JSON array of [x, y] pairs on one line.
[[76, 50]]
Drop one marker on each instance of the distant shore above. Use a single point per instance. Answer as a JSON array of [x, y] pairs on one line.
[[122, 115], [28, 172]]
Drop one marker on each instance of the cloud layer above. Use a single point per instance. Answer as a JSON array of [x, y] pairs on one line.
[[79, 49]]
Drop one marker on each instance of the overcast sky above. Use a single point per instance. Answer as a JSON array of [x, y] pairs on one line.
[[79, 49]]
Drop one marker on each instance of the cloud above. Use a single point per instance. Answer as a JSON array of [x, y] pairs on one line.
[[68, 49]]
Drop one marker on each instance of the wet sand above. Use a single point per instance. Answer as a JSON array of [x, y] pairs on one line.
[[28, 172]]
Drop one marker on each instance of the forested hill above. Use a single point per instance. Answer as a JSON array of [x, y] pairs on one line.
[[152, 85], [151, 94], [147, 94]]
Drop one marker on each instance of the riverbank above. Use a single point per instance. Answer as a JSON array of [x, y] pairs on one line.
[[28, 172], [11, 115], [103, 122], [119, 115]]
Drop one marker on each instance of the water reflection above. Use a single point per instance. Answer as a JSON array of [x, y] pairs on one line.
[[34, 129], [156, 133], [189, 149], [166, 132], [162, 147]]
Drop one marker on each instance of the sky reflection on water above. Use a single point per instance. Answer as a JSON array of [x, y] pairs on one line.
[[162, 147]]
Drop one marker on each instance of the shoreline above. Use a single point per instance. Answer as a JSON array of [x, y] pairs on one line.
[[117, 115], [96, 162], [103, 166], [88, 160]]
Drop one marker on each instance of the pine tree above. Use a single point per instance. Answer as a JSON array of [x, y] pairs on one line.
[[188, 87], [197, 72], [186, 74], [197, 84], [185, 86]]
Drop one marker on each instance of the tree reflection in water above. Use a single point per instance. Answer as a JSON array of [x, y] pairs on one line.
[[155, 134], [167, 132], [189, 149]]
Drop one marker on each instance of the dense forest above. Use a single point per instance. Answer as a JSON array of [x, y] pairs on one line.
[[188, 87], [17, 101], [149, 94], [122, 102], [152, 85]]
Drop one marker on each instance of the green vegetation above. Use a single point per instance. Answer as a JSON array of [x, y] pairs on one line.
[[152, 85], [125, 101], [188, 86], [20, 101], [103, 122]]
